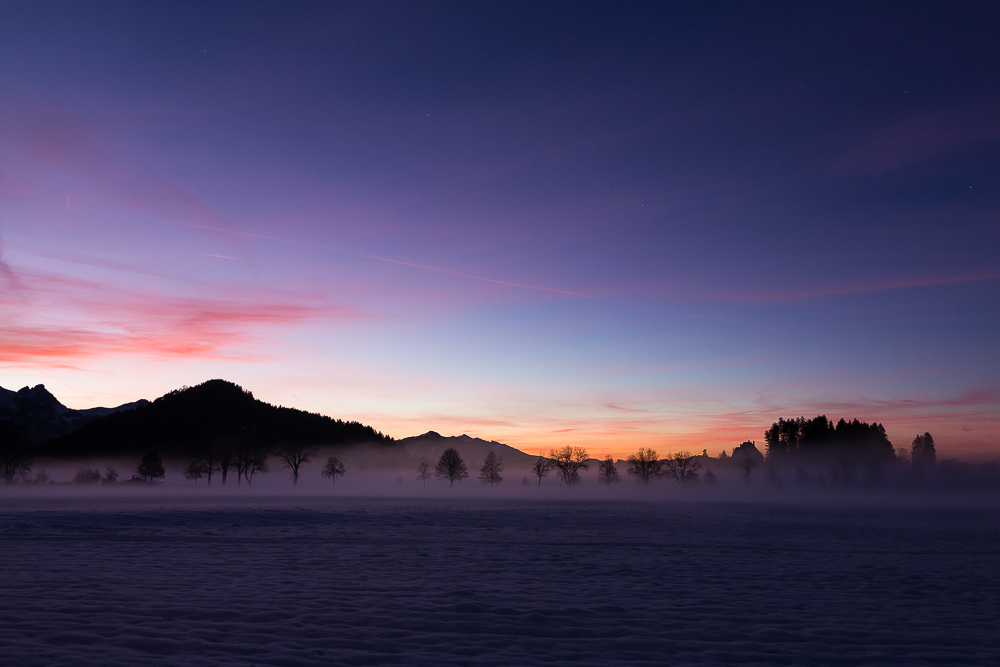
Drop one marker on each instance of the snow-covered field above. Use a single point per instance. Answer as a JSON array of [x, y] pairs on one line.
[[321, 581]]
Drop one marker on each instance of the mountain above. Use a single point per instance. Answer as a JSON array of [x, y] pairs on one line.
[[178, 423], [472, 450], [42, 417]]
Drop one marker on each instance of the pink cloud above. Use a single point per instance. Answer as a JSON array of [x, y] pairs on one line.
[[107, 319]]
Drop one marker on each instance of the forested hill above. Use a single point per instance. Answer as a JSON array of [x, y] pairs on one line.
[[180, 422]]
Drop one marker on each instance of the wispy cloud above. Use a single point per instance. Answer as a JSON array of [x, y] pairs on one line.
[[922, 138], [78, 146], [67, 317], [53, 136], [205, 254], [388, 260], [9, 281], [860, 288], [462, 274]]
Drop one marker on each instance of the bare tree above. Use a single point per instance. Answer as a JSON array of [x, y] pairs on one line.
[[645, 465], [490, 472], [607, 472], [87, 476], [241, 458], [541, 468], [150, 467], [681, 466], [293, 456], [251, 458], [257, 463], [424, 470], [14, 460], [226, 460], [451, 467], [333, 469], [40, 479], [747, 463], [110, 476], [196, 469], [212, 458], [207, 461], [569, 461]]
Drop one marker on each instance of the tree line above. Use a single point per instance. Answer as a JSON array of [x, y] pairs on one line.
[[567, 464], [797, 442]]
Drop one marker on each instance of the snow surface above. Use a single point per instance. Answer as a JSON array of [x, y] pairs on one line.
[[337, 581]]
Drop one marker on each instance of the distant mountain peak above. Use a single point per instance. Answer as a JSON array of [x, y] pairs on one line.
[[41, 415], [431, 444]]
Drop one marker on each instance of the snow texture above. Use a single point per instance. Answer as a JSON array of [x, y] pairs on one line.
[[328, 581]]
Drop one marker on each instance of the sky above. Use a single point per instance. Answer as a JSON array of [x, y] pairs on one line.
[[602, 224]]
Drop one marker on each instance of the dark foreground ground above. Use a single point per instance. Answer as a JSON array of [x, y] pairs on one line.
[[363, 582]]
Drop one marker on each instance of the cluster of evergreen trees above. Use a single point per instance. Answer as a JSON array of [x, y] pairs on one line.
[[818, 440]]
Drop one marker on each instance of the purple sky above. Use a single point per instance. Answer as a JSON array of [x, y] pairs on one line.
[[589, 224]]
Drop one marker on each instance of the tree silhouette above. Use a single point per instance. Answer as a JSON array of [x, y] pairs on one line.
[[747, 463], [207, 461], [87, 476], [40, 479], [607, 472], [151, 467], [490, 472], [541, 468], [645, 465], [333, 469], [424, 470], [294, 455], [196, 469], [922, 452], [14, 459], [569, 461], [251, 458], [710, 478], [451, 467], [681, 466], [226, 459], [110, 476]]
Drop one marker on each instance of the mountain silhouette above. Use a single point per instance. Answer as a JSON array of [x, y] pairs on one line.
[[472, 450], [42, 417], [177, 423]]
